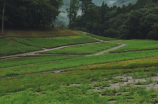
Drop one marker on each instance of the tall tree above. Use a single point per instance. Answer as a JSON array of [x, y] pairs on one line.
[[103, 13], [85, 5], [31, 13], [72, 11]]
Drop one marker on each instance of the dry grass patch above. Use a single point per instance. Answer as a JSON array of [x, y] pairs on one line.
[[54, 32]]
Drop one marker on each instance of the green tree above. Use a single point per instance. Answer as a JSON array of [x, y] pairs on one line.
[[31, 13], [85, 5], [92, 17], [72, 11]]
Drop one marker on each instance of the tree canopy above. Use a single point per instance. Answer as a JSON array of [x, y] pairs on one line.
[[134, 21], [30, 13]]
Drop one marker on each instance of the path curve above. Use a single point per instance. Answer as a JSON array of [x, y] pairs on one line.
[[105, 51], [35, 53]]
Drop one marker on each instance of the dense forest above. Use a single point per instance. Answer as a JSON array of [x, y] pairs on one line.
[[137, 21], [29, 13], [133, 21]]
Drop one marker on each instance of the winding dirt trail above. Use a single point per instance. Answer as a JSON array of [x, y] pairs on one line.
[[35, 53]]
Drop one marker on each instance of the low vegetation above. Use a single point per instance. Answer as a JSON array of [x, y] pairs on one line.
[[54, 42], [16, 45], [84, 49], [137, 45], [77, 83], [8, 46], [126, 77], [18, 61]]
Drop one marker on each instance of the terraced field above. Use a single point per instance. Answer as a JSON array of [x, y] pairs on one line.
[[11, 46], [118, 77]]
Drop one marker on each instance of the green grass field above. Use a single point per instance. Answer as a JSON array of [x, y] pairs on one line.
[[21, 45], [8, 46], [129, 77], [77, 85], [55, 41], [74, 62], [137, 45], [83, 49], [16, 61]]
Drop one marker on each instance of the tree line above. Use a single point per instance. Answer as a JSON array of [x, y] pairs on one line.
[[29, 13], [137, 21]]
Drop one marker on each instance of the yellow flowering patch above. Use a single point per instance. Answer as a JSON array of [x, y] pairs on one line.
[[122, 64]]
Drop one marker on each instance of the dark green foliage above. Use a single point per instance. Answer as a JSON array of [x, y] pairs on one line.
[[30, 13], [72, 11], [111, 32], [137, 21]]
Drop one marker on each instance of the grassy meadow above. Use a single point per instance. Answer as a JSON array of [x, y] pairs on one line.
[[88, 49], [117, 77], [54, 42], [137, 45], [15, 45], [8, 46]]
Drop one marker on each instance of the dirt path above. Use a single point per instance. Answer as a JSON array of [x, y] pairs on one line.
[[35, 53], [100, 53]]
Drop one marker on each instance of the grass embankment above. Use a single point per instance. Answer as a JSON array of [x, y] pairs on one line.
[[83, 49], [137, 45]]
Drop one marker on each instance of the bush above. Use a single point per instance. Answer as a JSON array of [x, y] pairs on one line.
[[111, 33]]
